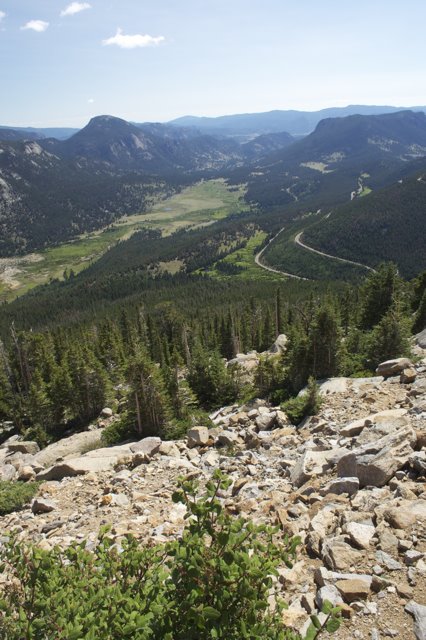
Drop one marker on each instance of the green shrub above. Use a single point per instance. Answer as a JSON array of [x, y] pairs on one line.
[[118, 432], [212, 583], [14, 495], [304, 405]]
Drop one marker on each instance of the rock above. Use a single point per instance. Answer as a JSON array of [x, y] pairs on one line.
[[265, 421], [280, 344], [354, 428], [107, 412], [408, 375], [374, 464], [104, 459], [41, 505], [393, 367], [7, 473], [68, 447], [418, 611], [412, 557], [387, 561], [198, 437], [330, 594], [354, 589], [169, 449], [26, 473], [418, 461], [406, 514], [360, 534], [342, 485], [338, 555], [310, 464], [421, 339], [24, 447], [146, 448], [228, 438]]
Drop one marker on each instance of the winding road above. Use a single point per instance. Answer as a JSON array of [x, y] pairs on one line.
[[263, 266], [298, 241]]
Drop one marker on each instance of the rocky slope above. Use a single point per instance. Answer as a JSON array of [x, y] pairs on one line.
[[349, 482]]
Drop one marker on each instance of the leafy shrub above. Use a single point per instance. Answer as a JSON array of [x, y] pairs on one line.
[[14, 495], [304, 405], [213, 583], [119, 431]]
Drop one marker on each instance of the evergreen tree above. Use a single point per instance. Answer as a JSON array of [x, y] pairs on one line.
[[149, 410], [389, 338]]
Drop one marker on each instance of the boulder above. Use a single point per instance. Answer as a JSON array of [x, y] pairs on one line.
[[375, 463], [418, 611], [198, 437], [24, 447], [421, 339], [265, 421], [408, 375], [406, 514], [341, 485], [104, 459], [68, 447], [7, 473], [146, 448], [228, 438], [106, 412], [338, 555], [312, 463], [354, 589], [328, 593], [360, 534], [393, 367]]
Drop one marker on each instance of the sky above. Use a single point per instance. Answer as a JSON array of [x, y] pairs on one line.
[[63, 62]]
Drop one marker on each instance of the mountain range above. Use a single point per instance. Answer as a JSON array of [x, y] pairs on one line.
[[52, 190]]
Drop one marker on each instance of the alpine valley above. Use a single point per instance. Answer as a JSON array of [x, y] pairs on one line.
[[213, 377]]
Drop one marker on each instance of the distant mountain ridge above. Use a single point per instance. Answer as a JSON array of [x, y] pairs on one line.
[[293, 121]]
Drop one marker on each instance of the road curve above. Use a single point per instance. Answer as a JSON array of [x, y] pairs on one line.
[[297, 240], [258, 256]]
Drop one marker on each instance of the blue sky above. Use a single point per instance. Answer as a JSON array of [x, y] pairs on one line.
[[62, 62]]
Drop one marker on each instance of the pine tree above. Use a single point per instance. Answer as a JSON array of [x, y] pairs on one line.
[[389, 338], [149, 407]]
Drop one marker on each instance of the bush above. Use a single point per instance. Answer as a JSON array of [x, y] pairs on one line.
[[307, 404], [119, 431], [15, 495], [213, 583]]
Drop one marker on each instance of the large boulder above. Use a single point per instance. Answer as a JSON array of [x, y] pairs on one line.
[[198, 437], [421, 339], [393, 367], [375, 463], [146, 448], [68, 447], [104, 459], [311, 463], [22, 446]]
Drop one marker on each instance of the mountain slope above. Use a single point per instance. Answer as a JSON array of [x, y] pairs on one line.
[[388, 225], [342, 156]]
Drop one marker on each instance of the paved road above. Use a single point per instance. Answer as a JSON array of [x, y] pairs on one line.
[[298, 241], [263, 266]]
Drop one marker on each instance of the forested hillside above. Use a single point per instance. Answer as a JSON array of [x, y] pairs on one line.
[[389, 224]]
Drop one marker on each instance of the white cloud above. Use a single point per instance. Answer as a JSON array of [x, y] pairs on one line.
[[134, 41], [91, 100], [2, 15], [75, 7], [36, 25]]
